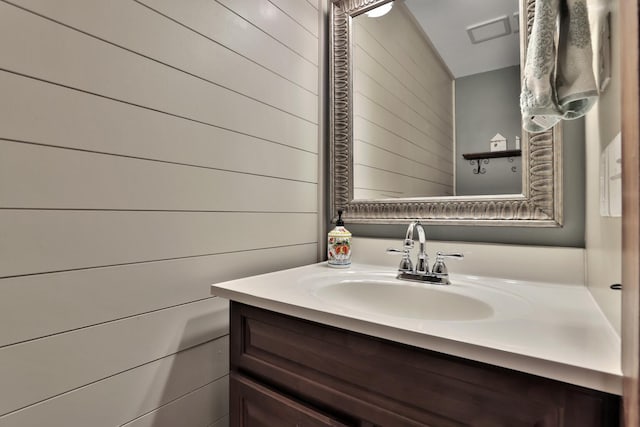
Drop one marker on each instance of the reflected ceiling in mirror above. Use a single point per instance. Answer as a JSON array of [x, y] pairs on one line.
[[433, 80], [539, 203]]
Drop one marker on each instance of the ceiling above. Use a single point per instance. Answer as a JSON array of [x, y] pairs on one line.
[[445, 23]]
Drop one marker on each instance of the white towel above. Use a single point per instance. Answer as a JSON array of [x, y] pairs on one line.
[[558, 82]]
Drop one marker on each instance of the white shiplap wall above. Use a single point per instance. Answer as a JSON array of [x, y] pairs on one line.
[[403, 110], [148, 148]]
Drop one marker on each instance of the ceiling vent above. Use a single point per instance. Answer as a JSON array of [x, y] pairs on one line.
[[489, 30]]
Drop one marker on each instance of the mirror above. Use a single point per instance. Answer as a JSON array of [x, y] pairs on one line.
[[408, 140]]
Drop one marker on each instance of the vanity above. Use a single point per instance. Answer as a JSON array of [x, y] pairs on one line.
[[289, 371], [319, 346]]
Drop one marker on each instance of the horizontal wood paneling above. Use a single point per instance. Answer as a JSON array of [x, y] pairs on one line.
[[369, 66], [439, 137], [94, 123], [201, 406], [381, 50], [135, 26], [46, 241], [372, 193], [398, 183], [302, 12], [63, 301], [395, 184], [116, 400], [33, 176], [382, 159], [373, 134], [148, 148], [412, 50], [426, 116], [407, 54], [64, 56], [213, 20], [49, 366], [387, 119], [266, 16], [419, 53]]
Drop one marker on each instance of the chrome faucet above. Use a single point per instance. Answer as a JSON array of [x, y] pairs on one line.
[[406, 271]]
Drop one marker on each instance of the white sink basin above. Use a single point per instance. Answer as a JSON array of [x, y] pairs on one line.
[[383, 294], [418, 301]]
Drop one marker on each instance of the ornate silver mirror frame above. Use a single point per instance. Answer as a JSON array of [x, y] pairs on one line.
[[539, 205]]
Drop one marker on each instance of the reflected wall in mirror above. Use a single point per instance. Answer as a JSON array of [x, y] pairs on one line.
[[418, 98]]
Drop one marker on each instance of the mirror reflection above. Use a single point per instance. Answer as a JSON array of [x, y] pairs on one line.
[[436, 87]]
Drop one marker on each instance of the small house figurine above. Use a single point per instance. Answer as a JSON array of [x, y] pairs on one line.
[[498, 143]]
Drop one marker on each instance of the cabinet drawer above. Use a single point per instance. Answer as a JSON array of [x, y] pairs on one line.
[[253, 405], [385, 383]]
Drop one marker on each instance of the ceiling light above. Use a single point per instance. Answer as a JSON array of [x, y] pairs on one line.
[[380, 10]]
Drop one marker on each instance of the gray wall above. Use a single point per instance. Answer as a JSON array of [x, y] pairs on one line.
[[486, 104], [572, 234]]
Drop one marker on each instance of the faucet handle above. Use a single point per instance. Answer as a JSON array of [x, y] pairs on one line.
[[453, 255], [405, 263], [439, 266]]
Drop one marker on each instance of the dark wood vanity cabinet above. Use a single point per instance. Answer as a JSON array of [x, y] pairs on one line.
[[292, 372]]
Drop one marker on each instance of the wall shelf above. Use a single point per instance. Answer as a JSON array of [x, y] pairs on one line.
[[492, 154], [477, 159]]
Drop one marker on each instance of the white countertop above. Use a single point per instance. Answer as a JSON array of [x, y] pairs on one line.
[[554, 330]]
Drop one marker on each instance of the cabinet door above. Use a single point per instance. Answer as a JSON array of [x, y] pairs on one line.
[[253, 405]]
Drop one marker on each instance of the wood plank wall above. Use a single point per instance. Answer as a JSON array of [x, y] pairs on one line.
[[148, 148], [403, 110]]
